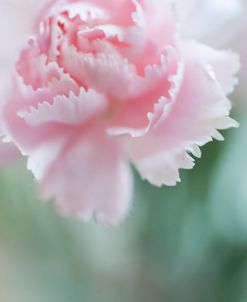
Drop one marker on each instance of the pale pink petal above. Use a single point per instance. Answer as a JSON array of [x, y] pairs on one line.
[[118, 12], [22, 98], [122, 81], [199, 109], [71, 110], [121, 11], [42, 157], [138, 116], [87, 11], [100, 181], [90, 71], [161, 30], [163, 25], [224, 64], [164, 168], [46, 74]]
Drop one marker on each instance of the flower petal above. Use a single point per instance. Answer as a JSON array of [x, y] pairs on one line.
[[164, 168], [90, 71], [43, 156], [225, 64], [100, 181], [24, 97], [143, 113], [71, 110], [199, 108]]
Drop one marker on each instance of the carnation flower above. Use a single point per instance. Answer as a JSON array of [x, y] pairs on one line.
[[102, 84]]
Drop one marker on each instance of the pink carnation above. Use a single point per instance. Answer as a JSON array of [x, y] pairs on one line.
[[102, 84]]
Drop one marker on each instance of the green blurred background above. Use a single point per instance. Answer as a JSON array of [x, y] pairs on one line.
[[187, 243]]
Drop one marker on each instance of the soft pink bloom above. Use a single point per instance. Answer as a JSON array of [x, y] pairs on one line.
[[102, 84]]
